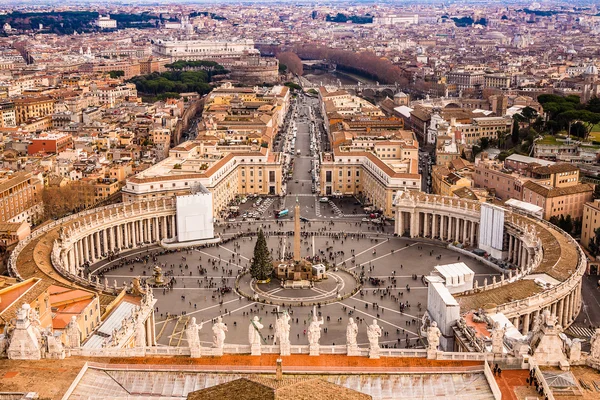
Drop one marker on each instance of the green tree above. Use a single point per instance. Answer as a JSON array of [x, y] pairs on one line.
[[529, 114], [515, 129], [262, 262], [594, 246]]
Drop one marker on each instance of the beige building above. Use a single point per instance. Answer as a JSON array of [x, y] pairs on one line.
[[20, 197], [445, 182], [590, 222], [226, 171], [33, 107], [560, 200], [371, 167]]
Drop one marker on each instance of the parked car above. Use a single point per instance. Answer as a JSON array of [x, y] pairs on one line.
[[324, 200]]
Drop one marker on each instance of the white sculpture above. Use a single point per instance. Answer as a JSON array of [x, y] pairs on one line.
[[595, 345], [73, 334], [314, 333], [191, 333], [575, 350], [433, 336], [498, 338], [219, 329], [282, 333], [254, 336], [374, 333], [351, 332]]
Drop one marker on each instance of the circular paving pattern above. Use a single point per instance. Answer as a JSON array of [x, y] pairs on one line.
[[338, 285]]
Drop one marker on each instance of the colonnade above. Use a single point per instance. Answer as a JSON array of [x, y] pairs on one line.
[[118, 235], [441, 226], [566, 310], [518, 252]]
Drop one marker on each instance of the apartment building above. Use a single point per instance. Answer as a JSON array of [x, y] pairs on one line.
[[50, 143], [465, 79], [33, 107], [590, 221], [20, 197], [371, 167], [557, 201], [497, 81], [8, 117], [446, 182]]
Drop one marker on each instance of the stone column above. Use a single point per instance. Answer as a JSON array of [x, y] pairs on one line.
[[510, 247], [442, 231], [565, 312], [400, 229], [165, 227], [572, 311], [86, 248], [559, 311], [97, 240], [126, 234], [71, 261], [81, 253], [134, 233], [457, 230], [433, 225], [119, 237], [515, 322], [425, 224], [76, 253], [465, 231], [472, 237], [105, 239], [525, 324], [173, 229], [155, 230]]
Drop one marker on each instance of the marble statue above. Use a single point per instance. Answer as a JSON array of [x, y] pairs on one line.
[[351, 332], [314, 333], [498, 338], [191, 333], [374, 333], [282, 329], [314, 330], [219, 329], [282, 333], [254, 336], [575, 350], [73, 334], [595, 345], [433, 336]]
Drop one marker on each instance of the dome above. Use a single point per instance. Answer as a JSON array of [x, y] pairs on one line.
[[591, 70]]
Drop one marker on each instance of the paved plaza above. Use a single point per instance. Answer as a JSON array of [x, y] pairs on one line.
[[204, 278], [202, 274]]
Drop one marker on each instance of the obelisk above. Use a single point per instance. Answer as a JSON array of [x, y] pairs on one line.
[[297, 231]]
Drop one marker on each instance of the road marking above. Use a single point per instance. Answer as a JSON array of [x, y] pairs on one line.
[[233, 252], [385, 255], [382, 320], [204, 309], [362, 252], [385, 308]]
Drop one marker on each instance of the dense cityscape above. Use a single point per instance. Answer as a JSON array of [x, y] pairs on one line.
[[280, 200]]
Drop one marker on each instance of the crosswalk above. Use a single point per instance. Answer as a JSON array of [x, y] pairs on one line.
[[580, 331]]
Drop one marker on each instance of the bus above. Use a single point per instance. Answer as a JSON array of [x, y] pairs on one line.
[[283, 213]]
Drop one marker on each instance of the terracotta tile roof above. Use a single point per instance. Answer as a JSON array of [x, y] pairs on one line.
[[555, 169], [549, 192]]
